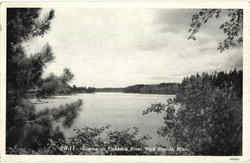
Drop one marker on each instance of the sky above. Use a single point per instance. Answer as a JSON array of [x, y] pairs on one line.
[[118, 47]]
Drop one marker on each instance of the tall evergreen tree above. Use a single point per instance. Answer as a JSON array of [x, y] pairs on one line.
[[34, 130]]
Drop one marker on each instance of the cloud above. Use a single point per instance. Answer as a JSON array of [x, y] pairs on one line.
[[179, 20], [174, 20], [170, 28], [153, 43], [113, 47]]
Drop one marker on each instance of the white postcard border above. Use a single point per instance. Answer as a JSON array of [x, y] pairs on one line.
[[121, 159]]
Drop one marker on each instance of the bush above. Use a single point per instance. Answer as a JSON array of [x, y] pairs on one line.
[[104, 141], [90, 141]]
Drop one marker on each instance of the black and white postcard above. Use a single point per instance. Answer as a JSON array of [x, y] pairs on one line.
[[134, 81]]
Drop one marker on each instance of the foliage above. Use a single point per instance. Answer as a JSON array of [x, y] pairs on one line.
[[68, 113], [232, 26], [128, 139], [67, 75], [105, 141], [87, 138], [26, 128], [24, 72], [54, 85], [35, 131], [89, 141], [206, 115]]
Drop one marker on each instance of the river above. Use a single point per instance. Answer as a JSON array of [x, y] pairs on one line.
[[120, 110]]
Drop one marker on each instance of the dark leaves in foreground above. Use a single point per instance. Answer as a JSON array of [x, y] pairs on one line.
[[35, 130], [105, 141], [92, 141], [66, 114]]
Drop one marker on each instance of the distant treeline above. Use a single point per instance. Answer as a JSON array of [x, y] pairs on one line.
[[109, 89], [75, 89], [163, 88]]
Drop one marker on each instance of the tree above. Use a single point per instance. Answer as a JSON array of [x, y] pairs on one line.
[[67, 75], [206, 115], [232, 26], [25, 128], [54, 85], [24, 72]]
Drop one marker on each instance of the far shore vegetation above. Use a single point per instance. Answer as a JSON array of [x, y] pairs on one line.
[[54, 86], [204, 117]]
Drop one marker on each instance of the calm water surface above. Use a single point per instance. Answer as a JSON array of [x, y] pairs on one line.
[[120, 110]]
